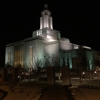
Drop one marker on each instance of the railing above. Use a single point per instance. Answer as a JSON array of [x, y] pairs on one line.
[[42, 75]]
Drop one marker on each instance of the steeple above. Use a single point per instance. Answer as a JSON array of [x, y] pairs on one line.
[[45, 7], [46, 19]]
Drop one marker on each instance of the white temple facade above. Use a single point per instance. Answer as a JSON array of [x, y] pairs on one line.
[[44, 42]]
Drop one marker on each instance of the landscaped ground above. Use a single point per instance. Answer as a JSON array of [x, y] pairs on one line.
[[33, 92], [21, 92], [86, 93]]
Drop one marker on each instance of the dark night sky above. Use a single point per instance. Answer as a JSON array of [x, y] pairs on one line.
[[77, 20]]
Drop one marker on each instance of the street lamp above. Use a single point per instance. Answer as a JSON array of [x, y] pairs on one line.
[[83, 74], [95, 73]]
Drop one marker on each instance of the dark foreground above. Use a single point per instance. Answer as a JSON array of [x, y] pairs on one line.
[[56, 93], [31, 91], [2, 94]]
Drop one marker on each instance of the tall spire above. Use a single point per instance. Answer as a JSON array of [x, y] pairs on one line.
[[46, 19]]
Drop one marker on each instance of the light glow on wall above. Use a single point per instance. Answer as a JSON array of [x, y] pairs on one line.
[[50, 38], [86, 47], [90, 59], [76, 47]]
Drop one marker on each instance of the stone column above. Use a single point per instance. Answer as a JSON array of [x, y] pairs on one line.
[[66, 79], [50, 75]]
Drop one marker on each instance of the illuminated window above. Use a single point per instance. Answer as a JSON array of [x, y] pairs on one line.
[[31, 54], [40, 32], [9, 57], [18, 54], [37, 33]]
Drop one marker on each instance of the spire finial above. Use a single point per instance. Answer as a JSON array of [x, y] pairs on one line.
[[45, 6]]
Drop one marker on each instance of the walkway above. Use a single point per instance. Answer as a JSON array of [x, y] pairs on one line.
[[55, 93]]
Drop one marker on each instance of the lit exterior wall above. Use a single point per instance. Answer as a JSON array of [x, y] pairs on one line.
[[52, 50], [11, 50], [41, 22], [51, 23], [90, 60], [86, 56], [18, 54], [66, 46], [46, 20], [66, 58], [38, 51], [46, 41]]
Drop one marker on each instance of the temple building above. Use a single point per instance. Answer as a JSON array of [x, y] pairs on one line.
[[46, 47]]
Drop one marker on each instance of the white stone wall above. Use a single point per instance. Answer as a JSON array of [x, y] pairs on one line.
[[11, 49], [66, 46], [38, 50], [52, 48]]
